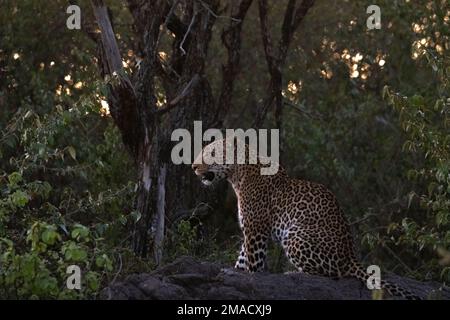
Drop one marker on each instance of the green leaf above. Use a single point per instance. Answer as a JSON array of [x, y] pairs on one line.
[[80, 232], [417, 100], [50, 236], [75, 253], [136, 215], [19, 198], [92, 279], [123, 220], [79, 255], [14, 179], [103, 261], [72, 152], [42, 150]]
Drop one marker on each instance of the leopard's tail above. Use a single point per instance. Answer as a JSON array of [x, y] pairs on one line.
[[358, 272]]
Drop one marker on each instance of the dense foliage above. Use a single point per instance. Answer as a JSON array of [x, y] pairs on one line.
[[367, 114]]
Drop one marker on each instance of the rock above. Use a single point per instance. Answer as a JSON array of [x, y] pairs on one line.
[[187, 278]]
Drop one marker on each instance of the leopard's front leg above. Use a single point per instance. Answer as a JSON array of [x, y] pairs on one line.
[[253, 252], [256, 231], [241, 263]]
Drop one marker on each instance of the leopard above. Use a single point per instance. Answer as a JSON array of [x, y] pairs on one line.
[[303, 216]]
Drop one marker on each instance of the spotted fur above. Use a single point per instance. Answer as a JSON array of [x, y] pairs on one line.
[[304, 217]]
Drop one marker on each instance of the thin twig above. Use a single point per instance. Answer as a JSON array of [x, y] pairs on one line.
[[362, 219], [216, 15], [398, 258], [195, 79], [187, 33], [119, 271], [199, 211], [186, 89], [302, 111], [166, 21]]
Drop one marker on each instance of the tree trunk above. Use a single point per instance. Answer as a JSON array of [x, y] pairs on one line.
[[160, 215], [145, 198]]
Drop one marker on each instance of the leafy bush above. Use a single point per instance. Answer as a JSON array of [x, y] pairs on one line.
[[44, 227], [191, 237], [425, 118]]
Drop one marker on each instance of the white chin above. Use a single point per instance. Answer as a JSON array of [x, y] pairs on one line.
[[207, 182]]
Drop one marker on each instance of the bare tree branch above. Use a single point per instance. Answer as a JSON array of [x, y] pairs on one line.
[[275, 61], [216, 15], [301, 12], [167, 19], [187, 33], [231, 39], [121, 97], [287, 29], [173, 103], [112, 54], [273, 66]]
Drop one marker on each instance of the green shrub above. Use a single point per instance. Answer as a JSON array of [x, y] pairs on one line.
[[425, 119], [63, 201]]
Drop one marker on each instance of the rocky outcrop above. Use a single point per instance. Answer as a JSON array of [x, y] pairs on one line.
[[187, 278]]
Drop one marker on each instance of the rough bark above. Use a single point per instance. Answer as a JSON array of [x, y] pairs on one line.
[[121, 95], [160, 215], [188, 60], [231, 39], [131, 108], [276, 57], [187, 278]]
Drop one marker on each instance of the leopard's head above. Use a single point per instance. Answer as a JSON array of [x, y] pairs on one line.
[[211, 164]]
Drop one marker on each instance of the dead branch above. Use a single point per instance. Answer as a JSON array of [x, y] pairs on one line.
[[231, 39], [275, 60], [187, 33], [204, 5], [121, 97], [186, 90]]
